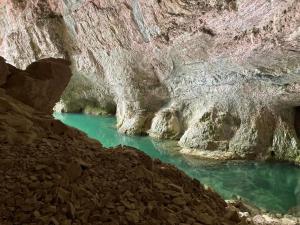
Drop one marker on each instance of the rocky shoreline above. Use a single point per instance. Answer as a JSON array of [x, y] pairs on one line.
[[260, 216]]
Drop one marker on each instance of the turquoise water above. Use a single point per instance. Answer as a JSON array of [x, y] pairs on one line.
[[272, 186]]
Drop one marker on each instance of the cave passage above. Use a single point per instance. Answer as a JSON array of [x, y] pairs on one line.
[[268, 185]]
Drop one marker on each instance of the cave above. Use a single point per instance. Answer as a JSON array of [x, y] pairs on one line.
[[149, 112]]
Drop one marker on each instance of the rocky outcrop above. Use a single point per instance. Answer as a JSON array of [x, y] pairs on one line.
[[40, 87], [227, 72], [165, 125], [53, 174], [44, 79]]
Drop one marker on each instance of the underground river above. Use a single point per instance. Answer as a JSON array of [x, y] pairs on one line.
[[274, 187]]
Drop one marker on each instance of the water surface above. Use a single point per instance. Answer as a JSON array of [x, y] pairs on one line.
[[271, 186]]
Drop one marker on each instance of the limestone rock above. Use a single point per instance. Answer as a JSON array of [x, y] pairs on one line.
[[81, 95], [165, 125], [211, 132], [297, 121], [139, 57], [268, 220]]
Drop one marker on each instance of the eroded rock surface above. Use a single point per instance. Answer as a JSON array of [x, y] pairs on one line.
[[53, 174], [229, 69]]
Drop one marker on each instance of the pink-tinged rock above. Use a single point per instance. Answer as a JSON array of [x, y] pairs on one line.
[[41, 84], [229, 69]]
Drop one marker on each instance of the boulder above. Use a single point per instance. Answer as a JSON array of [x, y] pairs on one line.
[[165, 125], [41, 84]]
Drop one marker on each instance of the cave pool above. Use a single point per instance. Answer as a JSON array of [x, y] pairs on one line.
[[272, 186]]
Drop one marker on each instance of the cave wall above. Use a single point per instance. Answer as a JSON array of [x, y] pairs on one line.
[[222, 77], [297, 121]]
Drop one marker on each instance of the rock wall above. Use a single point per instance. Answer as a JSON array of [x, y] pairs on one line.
[[222, 77]]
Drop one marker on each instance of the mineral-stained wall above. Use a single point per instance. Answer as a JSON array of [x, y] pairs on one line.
[[222, 77]]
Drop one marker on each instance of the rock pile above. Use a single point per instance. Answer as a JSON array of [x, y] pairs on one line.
[[72, 182]]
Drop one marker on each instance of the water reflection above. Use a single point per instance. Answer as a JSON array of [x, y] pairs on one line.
[[273, 186]]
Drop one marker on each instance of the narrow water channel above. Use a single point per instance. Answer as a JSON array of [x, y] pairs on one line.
[[272, 186]]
